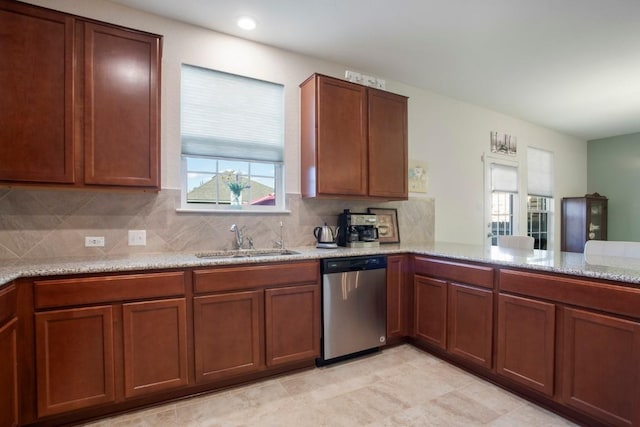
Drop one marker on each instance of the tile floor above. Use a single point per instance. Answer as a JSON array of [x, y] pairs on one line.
[[401, 386]]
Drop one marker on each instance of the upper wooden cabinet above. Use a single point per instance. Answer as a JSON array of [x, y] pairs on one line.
[[80, 103], [36, 106], [354, 141], [121, 107]]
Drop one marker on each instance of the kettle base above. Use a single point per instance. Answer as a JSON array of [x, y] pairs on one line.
[[327, 245]]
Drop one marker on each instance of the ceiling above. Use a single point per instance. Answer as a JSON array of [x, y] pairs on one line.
[[569, 65]]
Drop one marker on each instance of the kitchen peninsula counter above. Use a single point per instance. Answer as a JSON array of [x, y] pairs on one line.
[[469, 305], [615, 269]]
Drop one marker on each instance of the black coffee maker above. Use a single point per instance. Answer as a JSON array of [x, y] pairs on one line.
[[357, 230]]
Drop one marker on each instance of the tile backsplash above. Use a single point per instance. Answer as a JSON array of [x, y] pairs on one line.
[[52, 223]]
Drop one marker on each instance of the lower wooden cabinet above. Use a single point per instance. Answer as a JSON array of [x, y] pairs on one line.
[[292, 324], [248, 331], [155, 346], [74, 359], [253, 318], [77, 359], [9, 374], [470, 323], [430, 311], [526, 342], [397, 297], [228, 334], [600, 366], [454, 317], [453, 308]]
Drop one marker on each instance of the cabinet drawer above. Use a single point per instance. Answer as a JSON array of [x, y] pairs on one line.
[[243, 276], [95, 290], [454, 271], [584, 293], [7, 303]]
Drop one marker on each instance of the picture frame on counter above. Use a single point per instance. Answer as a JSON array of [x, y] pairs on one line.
[[388, 230]]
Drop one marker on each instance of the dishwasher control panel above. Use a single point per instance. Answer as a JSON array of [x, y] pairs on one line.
[[336, 265]]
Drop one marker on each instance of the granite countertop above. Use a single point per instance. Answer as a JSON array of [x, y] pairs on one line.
[[609, 268]]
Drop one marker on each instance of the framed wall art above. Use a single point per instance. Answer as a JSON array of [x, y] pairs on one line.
[[388, 231]]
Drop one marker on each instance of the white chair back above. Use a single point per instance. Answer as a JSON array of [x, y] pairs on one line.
[[612, 248], [516, 242]]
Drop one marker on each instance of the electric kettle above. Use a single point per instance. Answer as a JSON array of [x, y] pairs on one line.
[[325, 237]]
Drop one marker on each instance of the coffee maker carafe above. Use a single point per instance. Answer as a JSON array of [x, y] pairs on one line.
[[357, 230]]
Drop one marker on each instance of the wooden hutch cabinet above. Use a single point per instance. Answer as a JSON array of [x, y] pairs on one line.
[[583, 218], [354, 141]]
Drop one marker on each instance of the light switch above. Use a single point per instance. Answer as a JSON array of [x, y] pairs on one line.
[[137, 237]]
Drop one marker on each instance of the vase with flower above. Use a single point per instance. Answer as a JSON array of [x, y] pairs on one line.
[[236, 186]]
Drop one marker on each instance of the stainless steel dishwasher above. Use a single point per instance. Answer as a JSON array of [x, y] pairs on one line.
[[353, 306]]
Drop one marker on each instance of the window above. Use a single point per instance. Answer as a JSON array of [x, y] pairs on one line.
[[232, 139], [540, 196], [502, 219], [504, 190], [538, 220]]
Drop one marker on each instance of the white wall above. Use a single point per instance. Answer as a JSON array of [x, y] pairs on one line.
[[448, 135]]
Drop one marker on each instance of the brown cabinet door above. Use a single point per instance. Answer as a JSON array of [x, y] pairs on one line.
[[430, 315], [470, 323], [526, 342], [341, 138], [155, 346], [388, 174], [36, 87], [228, 331], [600, 369], [74, 359], [9, 375], [397, 298], [121, 102], [292, 326]]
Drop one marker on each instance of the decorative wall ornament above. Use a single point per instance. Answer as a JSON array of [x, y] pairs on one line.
[[418, 177], [504, 144]]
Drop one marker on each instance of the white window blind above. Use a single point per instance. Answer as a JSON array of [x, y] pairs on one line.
[[504, 178], [539, 172], [228, 116]]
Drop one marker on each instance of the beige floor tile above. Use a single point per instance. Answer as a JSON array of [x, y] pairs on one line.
[[529, 415], [491, 396], [401, 386], [456, 409]]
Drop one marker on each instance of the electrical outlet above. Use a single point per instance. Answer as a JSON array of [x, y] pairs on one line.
[[93, 241], [137, 237]]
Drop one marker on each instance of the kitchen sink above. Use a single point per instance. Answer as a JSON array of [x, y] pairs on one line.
[[246, 253]]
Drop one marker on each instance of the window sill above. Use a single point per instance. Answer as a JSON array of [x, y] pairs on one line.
[[234, 211]]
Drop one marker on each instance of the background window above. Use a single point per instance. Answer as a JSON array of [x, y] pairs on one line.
[[504, 190], [232, 132], [538, 214], [540, 196]]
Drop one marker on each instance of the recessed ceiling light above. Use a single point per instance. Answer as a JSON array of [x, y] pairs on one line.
[[246, 23]]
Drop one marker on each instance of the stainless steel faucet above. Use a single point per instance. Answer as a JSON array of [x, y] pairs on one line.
[[239, 236], [280, 243]]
